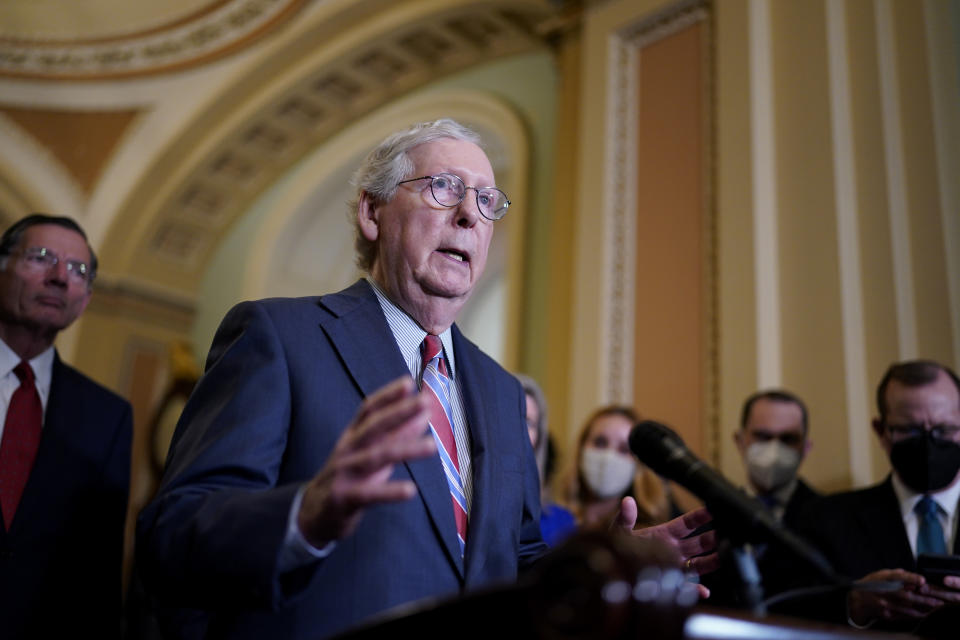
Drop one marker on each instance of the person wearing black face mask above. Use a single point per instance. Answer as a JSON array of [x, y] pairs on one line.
[[876, 534]]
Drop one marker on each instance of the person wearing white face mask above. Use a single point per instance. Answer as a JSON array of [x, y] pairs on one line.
[[605, 471], [773, 442]]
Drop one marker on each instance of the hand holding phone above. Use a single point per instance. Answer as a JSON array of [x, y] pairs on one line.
[[935, 567]]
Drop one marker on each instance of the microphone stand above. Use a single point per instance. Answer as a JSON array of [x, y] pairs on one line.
[[750, 585]]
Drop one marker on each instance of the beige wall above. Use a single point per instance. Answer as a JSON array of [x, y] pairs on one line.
[[836, 232], [830, 217]]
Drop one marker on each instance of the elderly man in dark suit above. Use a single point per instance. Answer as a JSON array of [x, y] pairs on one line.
[[309, 484], [65, 447]]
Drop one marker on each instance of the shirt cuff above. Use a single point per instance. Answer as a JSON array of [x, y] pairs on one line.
[[855, 625], [297, 552]]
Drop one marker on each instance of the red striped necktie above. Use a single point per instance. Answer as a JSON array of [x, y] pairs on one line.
[[435, 381], [21, 439]]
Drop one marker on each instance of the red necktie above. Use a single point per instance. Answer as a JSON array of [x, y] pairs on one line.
[[21, 438], [436, 384]]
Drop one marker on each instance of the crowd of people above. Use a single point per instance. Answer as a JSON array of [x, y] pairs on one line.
[[347, 454]]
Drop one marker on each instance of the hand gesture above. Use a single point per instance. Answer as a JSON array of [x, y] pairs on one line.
[[696, 552], [390, 427]]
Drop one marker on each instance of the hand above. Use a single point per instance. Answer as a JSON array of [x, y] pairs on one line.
[[697, 553], [915, 599], [390, 427]]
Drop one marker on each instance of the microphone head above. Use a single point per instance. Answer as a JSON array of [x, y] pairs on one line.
[[652, 442], [647, 432]]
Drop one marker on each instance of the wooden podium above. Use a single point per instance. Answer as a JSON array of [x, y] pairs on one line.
[[595, 586]]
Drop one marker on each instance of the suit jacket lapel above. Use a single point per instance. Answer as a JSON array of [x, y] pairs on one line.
[[473, 382], [361, 335], [883, 514]]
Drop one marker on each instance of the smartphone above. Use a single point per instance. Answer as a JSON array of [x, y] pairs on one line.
[[935, 567]]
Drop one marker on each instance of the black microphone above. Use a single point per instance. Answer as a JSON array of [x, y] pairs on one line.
[[738, 515]]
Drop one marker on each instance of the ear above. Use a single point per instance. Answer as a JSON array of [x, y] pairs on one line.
[[368, 218], [881, 434], [807, 445], [738, 439]]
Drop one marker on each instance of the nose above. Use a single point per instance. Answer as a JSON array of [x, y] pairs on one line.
[[57, 273], [468, 214]]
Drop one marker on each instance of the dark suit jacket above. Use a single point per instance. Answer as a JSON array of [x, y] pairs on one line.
[[859, 532], [774, 564], [283, 380], [61, 557]]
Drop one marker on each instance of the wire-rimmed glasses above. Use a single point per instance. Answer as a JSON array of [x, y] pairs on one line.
[[449, 190]]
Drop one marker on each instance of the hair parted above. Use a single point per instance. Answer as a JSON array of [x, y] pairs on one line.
[[387, 164]]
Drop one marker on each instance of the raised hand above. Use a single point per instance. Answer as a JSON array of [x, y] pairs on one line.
[[390, 427]]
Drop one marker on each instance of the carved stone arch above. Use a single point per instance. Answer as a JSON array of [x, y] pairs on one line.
[[259, 127]]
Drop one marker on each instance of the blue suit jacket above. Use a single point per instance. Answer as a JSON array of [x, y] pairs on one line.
[[284, 378], [61, 557]]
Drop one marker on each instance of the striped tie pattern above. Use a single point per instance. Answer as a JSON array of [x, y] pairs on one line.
[[436, 383], [21, 439]]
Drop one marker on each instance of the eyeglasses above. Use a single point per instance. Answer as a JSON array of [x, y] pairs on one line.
[[42, 259], [449, 190], [938, 431]]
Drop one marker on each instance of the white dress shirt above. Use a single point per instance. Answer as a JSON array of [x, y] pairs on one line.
[[42, 366], [946, 499]]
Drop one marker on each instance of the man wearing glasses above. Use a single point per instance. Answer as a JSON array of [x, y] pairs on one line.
[[310, 485], [64, 450], [876, 534]]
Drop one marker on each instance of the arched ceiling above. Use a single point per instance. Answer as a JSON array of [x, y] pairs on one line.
[[97, 39], [188, 139]]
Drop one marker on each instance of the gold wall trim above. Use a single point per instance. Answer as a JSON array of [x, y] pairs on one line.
[[621, 162], [211, 33]]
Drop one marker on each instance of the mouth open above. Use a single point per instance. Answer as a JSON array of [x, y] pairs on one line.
[[459, 256]]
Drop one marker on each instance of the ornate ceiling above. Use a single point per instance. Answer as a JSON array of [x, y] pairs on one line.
[[97, 39], [157, 124]]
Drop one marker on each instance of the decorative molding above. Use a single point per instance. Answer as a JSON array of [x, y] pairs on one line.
[[247, 160], [208, 35], [766, 251], [142, 303], [620, 223], [848, 245], [903, 277]]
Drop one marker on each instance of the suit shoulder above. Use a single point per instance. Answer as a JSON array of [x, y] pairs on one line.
[[843, 503], [86, 385], [274, 306]]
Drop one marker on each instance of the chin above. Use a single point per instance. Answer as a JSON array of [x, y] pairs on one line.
[[445, 289]]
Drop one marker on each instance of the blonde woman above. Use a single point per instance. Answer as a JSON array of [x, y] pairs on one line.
[[606, 471]]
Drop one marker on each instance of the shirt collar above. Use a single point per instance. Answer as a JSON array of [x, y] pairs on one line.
[[908, 498], [408, 334], [42, 366]]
